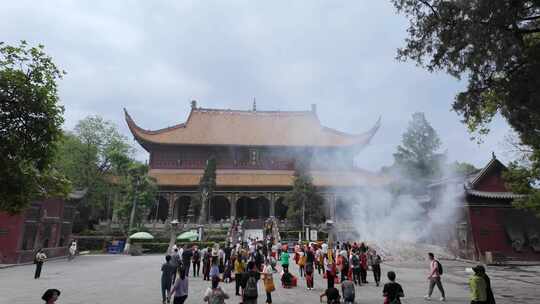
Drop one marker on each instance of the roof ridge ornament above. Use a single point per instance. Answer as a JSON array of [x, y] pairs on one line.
[[254, 105], [194, 104]]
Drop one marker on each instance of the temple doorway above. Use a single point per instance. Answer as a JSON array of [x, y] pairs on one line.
[[281, 208], [182, 208], [220, 208], [253, 208], [160, 210]]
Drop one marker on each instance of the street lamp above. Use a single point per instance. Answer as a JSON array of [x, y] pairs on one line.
[[172, 240]]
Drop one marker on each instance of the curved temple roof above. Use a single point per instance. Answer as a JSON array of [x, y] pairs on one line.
[[251, 128]]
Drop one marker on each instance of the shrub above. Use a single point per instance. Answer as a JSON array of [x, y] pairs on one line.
[[162, 247], [92, 244]]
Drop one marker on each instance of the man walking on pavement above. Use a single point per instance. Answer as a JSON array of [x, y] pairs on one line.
[[435, 272], [187, 254]]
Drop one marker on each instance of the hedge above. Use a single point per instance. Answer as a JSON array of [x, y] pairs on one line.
[[293, 235], [88, 244], [162, 247]]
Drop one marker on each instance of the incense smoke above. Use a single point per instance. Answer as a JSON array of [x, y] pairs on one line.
[[378, 215]]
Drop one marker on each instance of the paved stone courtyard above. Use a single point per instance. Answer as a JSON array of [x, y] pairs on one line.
[[127, 279]]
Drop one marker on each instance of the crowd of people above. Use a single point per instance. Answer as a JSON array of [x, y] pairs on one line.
[[249, 263], [347, 264]]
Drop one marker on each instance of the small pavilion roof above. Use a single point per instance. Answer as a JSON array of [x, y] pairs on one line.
[[250, 128]]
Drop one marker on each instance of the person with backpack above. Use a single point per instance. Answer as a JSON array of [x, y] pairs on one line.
[[196, 261], [214, 269], [355, 261], [215, 295], [250, 292], [435, 273], [347, 289], [392, 291], [167, 272]]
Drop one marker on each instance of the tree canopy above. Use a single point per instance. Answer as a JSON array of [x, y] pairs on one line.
[[303, 200], [495, 45], [96, 157], [30, 125], [417, 155]]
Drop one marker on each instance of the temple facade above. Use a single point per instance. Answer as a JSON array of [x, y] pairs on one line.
[[256, 154], [488, 227]]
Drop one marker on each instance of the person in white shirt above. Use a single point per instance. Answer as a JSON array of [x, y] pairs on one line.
[[319, 260], [39, 259], [72, 250]]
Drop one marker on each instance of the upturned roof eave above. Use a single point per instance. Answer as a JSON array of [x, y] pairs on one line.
[[358, 141]]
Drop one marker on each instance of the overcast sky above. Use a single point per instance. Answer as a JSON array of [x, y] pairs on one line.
[[153, 57]]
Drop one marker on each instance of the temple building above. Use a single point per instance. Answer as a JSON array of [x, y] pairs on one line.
[[46, 224], [488, 227], [256, 153]]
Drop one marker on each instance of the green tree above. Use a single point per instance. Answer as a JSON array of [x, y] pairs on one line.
[[207, 185], [417, 155], [30, 125], [304, 203], [96, 157], [462, 169], [521, 178], [496, 46], [139, 192]]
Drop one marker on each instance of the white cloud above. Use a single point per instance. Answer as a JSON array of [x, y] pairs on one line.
[[154, 57]]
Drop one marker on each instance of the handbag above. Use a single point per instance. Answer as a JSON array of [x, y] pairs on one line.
[[269, 285]]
